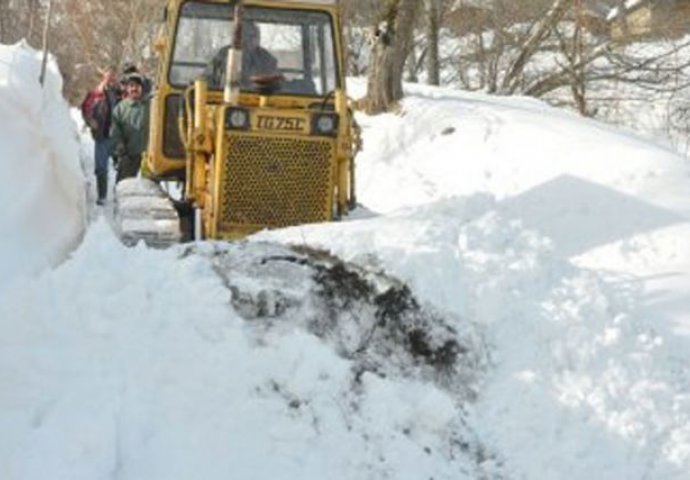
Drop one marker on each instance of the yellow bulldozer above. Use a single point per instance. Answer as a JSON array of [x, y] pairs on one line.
[[250, 114]]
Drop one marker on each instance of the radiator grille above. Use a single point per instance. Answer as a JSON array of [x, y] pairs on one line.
[[276, 182]]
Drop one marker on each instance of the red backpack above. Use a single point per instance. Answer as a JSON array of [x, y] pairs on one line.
[[95, 111]]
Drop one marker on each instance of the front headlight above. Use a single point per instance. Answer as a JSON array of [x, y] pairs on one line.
[[237, 119], [325, 124]]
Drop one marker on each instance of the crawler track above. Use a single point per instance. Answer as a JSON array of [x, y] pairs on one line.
[[143, 211]]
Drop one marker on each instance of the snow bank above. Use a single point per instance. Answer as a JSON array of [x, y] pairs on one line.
[[588, 377], [43, 214], [582, 385], [533, 233], [448, 143], [132, 363]]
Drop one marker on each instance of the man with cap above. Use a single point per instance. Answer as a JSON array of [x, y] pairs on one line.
[[129, 128], [131, 69]]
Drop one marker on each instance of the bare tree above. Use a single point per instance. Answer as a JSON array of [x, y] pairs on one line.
[[4, 18], [34, 7], [358, 16], [433, 14], [530, 46], [99, 33], [587, 65], [391, 44], [498, 38], [18, 19]]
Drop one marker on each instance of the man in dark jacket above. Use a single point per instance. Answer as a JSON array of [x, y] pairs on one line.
[[129, 130], [131, 69], [256, 60], [97, 109]]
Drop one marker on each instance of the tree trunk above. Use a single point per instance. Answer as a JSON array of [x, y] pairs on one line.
[[432, 60], [578, 87], [412, 65], [4, 7], [391, 47], [511, 80]]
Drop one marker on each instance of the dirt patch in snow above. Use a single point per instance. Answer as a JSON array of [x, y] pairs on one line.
[[369, 317]]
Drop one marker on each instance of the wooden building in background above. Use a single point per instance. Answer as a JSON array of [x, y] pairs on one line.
[[650, 19]]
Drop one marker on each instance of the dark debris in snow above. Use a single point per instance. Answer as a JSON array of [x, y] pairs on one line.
[[371, 318]]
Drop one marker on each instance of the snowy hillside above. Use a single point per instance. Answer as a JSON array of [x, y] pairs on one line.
[[512, 301]]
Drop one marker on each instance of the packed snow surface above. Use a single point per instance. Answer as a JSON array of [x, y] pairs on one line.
[[514, 304]]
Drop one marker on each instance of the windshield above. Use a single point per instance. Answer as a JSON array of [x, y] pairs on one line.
[[297, 46]]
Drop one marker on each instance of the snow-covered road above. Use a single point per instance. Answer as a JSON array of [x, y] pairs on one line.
[[547, 253]]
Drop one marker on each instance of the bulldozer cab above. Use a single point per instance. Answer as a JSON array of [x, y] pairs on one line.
[[301, 44], [281, 151]]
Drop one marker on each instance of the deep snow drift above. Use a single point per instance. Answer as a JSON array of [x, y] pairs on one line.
[[43, 214], [544, 334]]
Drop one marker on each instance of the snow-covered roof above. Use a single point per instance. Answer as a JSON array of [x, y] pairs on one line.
[[628, 6]]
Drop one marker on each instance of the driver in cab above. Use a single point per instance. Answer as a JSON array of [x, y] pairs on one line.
[[256, 60]]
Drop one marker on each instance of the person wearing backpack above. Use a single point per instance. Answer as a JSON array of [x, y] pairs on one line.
[[96, 110]]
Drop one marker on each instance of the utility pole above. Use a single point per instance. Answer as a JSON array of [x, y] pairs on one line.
[[46, 32]]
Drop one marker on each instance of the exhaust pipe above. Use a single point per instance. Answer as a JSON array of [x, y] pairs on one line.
[[233, 67]]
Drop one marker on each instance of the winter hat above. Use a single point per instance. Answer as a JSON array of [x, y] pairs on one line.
[[129, 68], [135, 78]]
